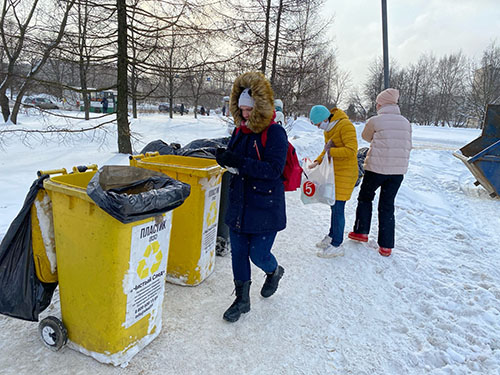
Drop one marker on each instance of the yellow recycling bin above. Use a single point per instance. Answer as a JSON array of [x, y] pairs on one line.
[[111, 275], [42, 237], [194, 225]]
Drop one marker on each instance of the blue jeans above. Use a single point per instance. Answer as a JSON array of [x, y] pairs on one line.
[[251, 246], [337, 223], [389, 186]]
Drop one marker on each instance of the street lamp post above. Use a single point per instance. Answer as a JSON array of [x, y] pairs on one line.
[[386, 48]]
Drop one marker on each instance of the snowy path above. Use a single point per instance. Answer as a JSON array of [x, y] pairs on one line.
[[433, 307]]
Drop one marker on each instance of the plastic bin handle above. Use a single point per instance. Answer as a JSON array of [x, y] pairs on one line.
[[134, 158], [76, 169], [52, 171], [84, 168], [140, 156]]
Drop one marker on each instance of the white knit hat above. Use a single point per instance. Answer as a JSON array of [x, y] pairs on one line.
[[246, 99]]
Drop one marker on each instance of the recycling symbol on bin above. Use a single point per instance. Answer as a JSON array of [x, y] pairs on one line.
[[212, 213], [151, 261]]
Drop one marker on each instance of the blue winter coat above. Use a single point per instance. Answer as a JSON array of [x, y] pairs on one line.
[[256, 194]]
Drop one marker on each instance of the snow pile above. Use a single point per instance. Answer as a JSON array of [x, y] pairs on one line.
[[432, 307]]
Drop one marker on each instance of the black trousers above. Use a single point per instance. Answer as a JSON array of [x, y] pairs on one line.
[[389, 186]]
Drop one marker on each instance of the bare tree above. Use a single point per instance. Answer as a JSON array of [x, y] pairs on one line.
[[451, 75], [266, 37], [485, 82], [124, 145], [374, 84], [47, 47], [358, 110], [302, 79], [276, 41], [417, 99], [338, 81], [14, 25]]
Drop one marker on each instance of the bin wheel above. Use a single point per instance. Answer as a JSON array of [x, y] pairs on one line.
[[53, 333]]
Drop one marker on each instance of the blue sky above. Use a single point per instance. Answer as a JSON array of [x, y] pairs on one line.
[[415, 27]]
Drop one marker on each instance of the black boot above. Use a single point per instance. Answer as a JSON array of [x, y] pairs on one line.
[[272, 281], [241, 304]]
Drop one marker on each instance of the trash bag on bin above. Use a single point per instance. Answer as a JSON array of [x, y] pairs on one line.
[[130, 194], [162, 147], [215, 142], [22, 294], [203, 148]]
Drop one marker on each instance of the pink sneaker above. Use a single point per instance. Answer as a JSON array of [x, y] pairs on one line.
[[358, 237], [384, 251]]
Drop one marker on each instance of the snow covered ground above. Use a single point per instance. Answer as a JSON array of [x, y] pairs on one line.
[[432, 307]]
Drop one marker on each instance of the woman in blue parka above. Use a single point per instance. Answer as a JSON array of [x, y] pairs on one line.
[[256, 156]]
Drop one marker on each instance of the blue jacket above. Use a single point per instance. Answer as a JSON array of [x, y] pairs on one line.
[[256, 194]]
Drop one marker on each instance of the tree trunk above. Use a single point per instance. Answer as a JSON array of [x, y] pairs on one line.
[[171, 95], [133, 86], [124, 145], [17, 103], [266, 38], [4, 104], [276, 42]]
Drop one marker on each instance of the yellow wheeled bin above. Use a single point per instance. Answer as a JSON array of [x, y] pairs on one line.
[[111, 274], [42, 237], [194, 225]]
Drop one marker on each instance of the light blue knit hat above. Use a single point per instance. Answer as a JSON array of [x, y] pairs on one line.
[[319, 113]]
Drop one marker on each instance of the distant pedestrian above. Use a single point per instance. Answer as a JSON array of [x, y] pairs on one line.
[[278, 107], [104, 103], [223, 110], [202, 111], [182, 109], [387, 160]]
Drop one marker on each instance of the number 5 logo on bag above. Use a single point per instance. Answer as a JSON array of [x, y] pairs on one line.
[[309, 188]]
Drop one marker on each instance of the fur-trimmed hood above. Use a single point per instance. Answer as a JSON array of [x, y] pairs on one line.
[[262, 94]]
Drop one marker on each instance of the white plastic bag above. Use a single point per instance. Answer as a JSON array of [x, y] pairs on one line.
[[318, 184]]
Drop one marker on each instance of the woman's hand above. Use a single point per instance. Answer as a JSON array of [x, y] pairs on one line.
[[329, 145], [327, 148], [228, 158], [219, 152], [314, 164]]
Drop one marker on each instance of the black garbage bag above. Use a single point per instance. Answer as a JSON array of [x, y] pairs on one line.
[[216, 142], [22, 294], [203, 148], [162, 147], [130, 194]]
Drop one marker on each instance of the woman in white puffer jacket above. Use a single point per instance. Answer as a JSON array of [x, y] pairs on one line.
[[389, 134]]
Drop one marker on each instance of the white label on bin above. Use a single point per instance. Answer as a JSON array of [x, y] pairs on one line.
[[209, 236], [144, 283]]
